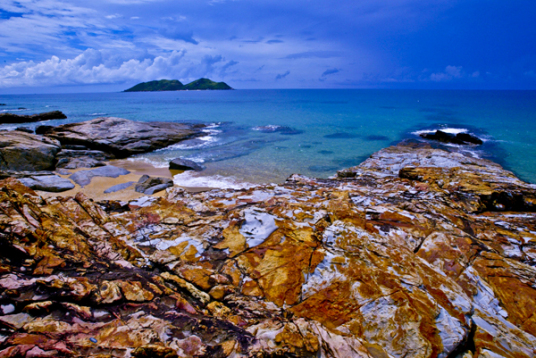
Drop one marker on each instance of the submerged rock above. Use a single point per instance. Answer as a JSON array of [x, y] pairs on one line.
[[121, 137], [417, 252], [17, 118]]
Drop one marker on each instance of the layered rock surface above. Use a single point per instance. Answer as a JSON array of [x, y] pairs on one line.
[[21, 151], [415, 253], [121, 137]]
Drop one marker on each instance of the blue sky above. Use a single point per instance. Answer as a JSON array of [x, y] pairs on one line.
[[55, 45]]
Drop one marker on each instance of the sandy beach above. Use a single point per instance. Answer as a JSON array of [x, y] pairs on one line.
[[95, 189]]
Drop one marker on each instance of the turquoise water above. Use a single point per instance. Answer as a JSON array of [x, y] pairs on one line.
[[266, 135]]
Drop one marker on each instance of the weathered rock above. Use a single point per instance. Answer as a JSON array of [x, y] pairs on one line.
[[51, 183], [16, 118], [459, 138], [184, 164], [84, 177], [73, 159], [118, 187], [122, 137], [21, 151], [411, 254], [154, 351], [150, 185], [25, 129], [43, 129]]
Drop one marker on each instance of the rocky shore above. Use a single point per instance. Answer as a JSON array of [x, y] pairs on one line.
[[45, 160], [417, 252]]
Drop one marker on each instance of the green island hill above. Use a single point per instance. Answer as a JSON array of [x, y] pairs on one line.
[[175, 85]]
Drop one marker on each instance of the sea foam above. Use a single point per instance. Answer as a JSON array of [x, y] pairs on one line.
[[190, 179]]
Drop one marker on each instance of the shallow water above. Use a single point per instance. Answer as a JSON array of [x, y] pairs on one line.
[[266, 135]]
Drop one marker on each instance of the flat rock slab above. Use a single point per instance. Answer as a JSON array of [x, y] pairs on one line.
[[84, 177], [122, 137], [20, 151], [118, 187], [50, 183]]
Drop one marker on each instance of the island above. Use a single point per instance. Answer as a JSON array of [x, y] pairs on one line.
[[176, 85]]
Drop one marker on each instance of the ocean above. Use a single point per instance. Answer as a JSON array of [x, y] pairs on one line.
[[264, 136]]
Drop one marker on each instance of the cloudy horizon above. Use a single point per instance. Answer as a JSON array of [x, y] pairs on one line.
[[53, 45]]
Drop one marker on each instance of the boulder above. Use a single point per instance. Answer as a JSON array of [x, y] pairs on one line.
[[184, 164], [84, 177], [122, 137], [43, 129], [150, 185], [51, 183], [21, 151], [18, 118], [72, 159], [460, 138]]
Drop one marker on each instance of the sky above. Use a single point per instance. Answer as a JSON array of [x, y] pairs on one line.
[[110, 45]]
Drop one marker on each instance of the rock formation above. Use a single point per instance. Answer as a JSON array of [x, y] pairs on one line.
[[150, 185], [185, 164], [22, 151], [417, 252], [16, 118], [458, 138], [122, 137]]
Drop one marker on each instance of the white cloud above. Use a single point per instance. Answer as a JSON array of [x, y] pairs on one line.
[[95, 67], [450, 73]]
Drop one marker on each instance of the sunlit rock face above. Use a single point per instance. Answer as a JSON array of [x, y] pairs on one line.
[[415, 253]]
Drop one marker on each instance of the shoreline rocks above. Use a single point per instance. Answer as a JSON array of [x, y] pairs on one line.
[[50, 183], [410, 254], [185, 164], [458, 138], [22, 118], [150, 185], [21, 151], [122, 137]]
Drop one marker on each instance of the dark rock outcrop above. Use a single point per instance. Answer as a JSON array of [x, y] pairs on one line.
[[84, 177], [122, 137], [25, 129], [16, 118], [459, 138], [20, 151], [185, 164], [150, 185]]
